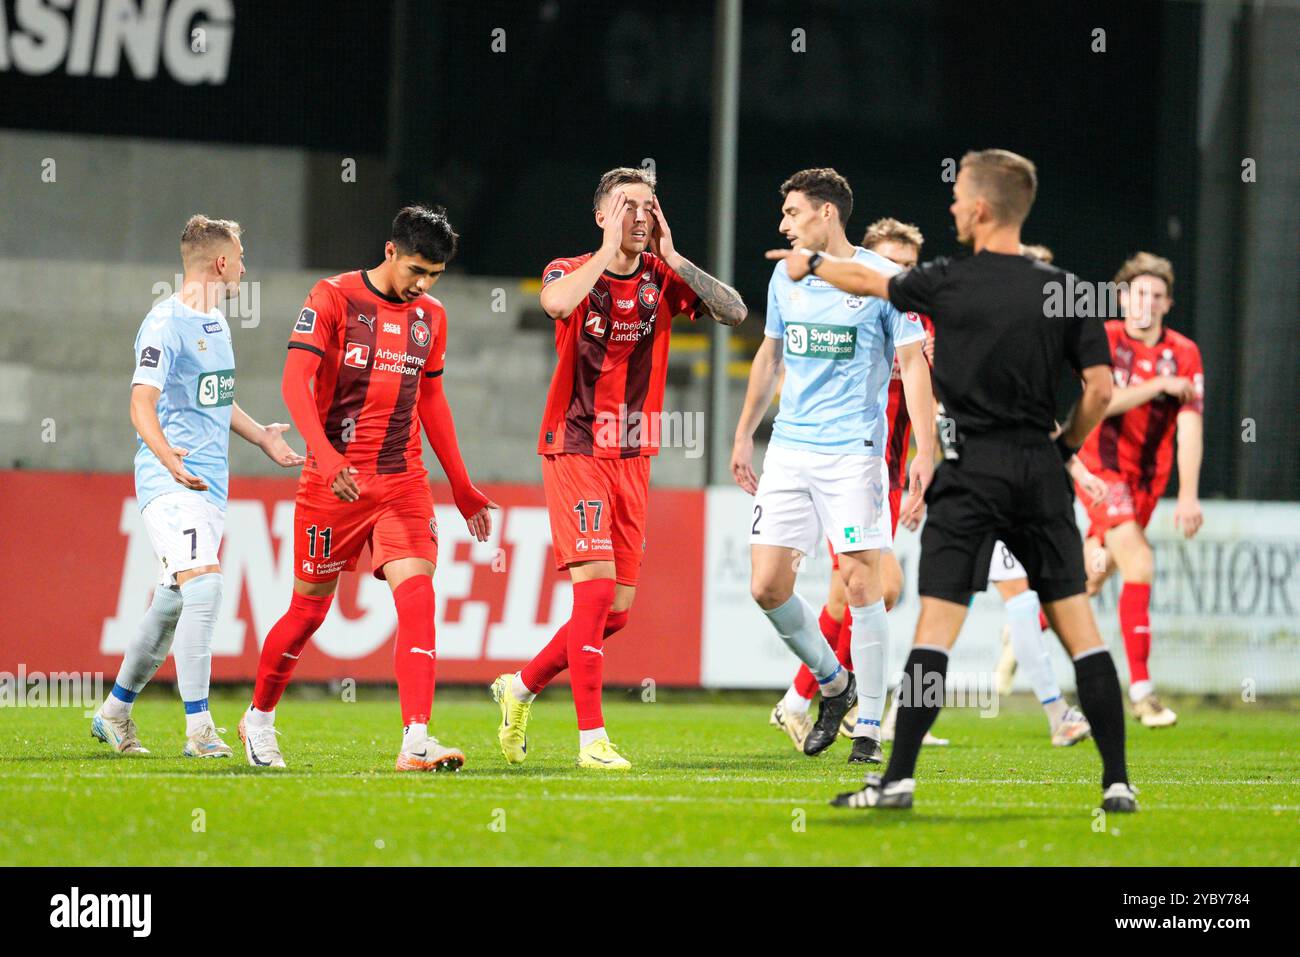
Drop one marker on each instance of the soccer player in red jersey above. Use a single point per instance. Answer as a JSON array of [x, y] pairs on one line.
[[613, 311], [363, 374], [901, 244], [1159, 390]]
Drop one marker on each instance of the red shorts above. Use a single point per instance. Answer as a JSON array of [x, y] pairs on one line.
[[1124, 502], [895, 503], [597, 509], [394, 516]]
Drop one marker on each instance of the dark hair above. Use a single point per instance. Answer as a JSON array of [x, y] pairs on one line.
[[822, 185], [421, 231]]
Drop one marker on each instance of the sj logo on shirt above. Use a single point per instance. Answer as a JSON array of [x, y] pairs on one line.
[[216, 388], [820, 341]]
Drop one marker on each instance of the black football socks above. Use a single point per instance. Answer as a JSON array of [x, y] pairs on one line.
[[1103, 705], [920, 698]]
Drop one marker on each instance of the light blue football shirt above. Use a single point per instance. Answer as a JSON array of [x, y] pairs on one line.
[[839, 352], [189, 357]]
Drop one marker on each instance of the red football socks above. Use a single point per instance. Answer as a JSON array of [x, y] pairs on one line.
[[586, 645], [284, 645], [1135, 623], [554, 658], [844, 644], [413, 654]]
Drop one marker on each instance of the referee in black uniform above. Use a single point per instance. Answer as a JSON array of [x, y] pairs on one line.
[[997, 361]]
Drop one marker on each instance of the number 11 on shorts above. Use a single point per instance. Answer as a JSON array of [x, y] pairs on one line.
[[324, 535]]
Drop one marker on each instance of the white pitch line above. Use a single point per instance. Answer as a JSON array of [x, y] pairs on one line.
[[563, 776], [803, 801]]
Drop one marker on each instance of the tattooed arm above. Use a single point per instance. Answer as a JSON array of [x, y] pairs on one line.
[[717, 299]]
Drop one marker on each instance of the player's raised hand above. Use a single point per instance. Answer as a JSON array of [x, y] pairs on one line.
[[927, 349], [1188, 516], [742, 464], [276, 448], [614, 209], [796, 261], [480, 523], [344, 486], [661, 237], [177, 468]]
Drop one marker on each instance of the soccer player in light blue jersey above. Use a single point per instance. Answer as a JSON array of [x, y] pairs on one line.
[[824, 473], [183, 409]]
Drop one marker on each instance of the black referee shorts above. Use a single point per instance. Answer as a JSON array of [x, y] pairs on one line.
[[1008, 486]]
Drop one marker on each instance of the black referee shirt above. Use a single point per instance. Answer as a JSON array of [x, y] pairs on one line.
[[998, 356]]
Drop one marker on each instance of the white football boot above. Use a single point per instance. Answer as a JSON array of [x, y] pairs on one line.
[[206, 743], [117, 732], [792, 723], [260, 745], [430, 756], [1152, 713], [1072, 729]]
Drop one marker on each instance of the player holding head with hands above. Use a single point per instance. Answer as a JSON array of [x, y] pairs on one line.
[[183, 409], [613, 311]]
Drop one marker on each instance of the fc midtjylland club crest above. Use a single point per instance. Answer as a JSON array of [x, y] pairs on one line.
[[649, 295], [420, 333]]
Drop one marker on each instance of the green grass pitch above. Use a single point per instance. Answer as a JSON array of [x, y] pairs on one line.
[[712, 783]]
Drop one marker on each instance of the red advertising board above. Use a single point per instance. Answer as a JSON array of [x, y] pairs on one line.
[[78, 571]]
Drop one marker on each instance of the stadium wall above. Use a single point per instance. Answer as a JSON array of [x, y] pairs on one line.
[[79, 571], [65, 374]]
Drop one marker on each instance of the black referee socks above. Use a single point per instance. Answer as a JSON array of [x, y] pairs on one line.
[[920, 698], [1103, 705]]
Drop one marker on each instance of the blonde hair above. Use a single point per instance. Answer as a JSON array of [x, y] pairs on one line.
[[1147, 264], [1007, 180], [1040, 253], [202, 233], [892, 230]]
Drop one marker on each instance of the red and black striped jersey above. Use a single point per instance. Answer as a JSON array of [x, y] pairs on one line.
[[375, 352], [607, 391], [1139, 443], [900, 423]]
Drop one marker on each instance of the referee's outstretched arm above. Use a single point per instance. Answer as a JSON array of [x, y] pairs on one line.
[[852, 277]]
